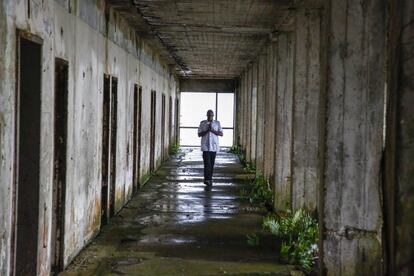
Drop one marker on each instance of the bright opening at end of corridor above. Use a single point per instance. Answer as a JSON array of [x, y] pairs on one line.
[[193, 109]]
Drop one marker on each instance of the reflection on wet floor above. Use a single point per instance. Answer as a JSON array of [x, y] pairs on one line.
[[175, 225]]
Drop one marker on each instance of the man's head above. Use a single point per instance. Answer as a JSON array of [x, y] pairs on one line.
[[210, 115]]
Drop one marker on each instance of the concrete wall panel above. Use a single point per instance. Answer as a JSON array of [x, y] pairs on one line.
[[249, 114], [270, 113], [354, 135], [399, 191], [253, 119], [78, 37], [305, 165], [284, 109], [260, 117]]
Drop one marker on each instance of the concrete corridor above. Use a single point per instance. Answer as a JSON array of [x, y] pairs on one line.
[[176, 225], [91, 103]]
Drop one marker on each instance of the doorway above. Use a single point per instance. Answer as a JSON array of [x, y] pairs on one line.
[[170, 130], [152, 132], [163, 128], [27, 155], [59, 164], [137, 137], [114, 128], [177, 121], [106, 106]]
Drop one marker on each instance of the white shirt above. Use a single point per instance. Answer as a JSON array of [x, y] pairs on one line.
[[210, 141]]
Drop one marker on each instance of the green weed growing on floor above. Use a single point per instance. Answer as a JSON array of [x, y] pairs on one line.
[[261, 193], [299, 232], [236, 149], [247, 166], [253, 239], [174, 149]]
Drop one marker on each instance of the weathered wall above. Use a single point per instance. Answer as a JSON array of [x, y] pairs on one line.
[[40, 23], [260, 110], [253, 120], [405, 144], [6, 139], [399, 154], [249, 113], [77, 33], [306, 114], [270, 113], [354, 137], [326, 103], [284, 110]]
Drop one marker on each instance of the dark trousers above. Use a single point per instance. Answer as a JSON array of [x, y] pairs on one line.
[[208, 157]]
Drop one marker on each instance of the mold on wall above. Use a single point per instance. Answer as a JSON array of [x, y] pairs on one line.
[[76, 31]]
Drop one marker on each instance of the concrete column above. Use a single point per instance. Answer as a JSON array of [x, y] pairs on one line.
[[261, 90], [241, 111], [246, 110], [399, 154], [253, 122], [354, 137], [305, 165], [270, 112], [249, 76], [284, 105], [7, 119], [238, 112]]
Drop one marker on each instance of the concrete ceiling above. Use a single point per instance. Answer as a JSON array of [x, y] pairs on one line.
[[206, 38]]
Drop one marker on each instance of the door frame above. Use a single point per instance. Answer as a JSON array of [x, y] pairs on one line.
[[20, 34]]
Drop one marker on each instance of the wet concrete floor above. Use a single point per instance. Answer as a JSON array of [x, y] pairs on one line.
[[175, 225]]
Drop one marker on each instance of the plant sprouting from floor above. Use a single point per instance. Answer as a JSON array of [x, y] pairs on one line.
[[261, 192], [299, 232], [238, 150], [249, 167], [174, 149], [253, 239], [244, 194]]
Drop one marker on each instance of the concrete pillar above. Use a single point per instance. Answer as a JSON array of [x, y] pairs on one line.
[[260, 120], [253, 122], [238, 111], [249, 76], [243, 114], [285, 73], [354, 137], [305, 165], [399, 154], [270, 113], [246, 110]]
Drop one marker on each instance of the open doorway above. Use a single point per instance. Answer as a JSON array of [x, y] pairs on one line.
[[152, 130], [106, 108], [177, 121], [170, 130], [139, 153], [59, 173], [137, 137], [114, 129], [163, 155], [27, 155]]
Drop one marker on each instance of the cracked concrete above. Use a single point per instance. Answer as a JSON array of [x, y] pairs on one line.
[[175, 225]]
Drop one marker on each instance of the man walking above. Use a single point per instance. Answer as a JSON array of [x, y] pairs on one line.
[[209, 130]]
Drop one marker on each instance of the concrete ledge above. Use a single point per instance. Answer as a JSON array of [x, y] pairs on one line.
[[207, 85]]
